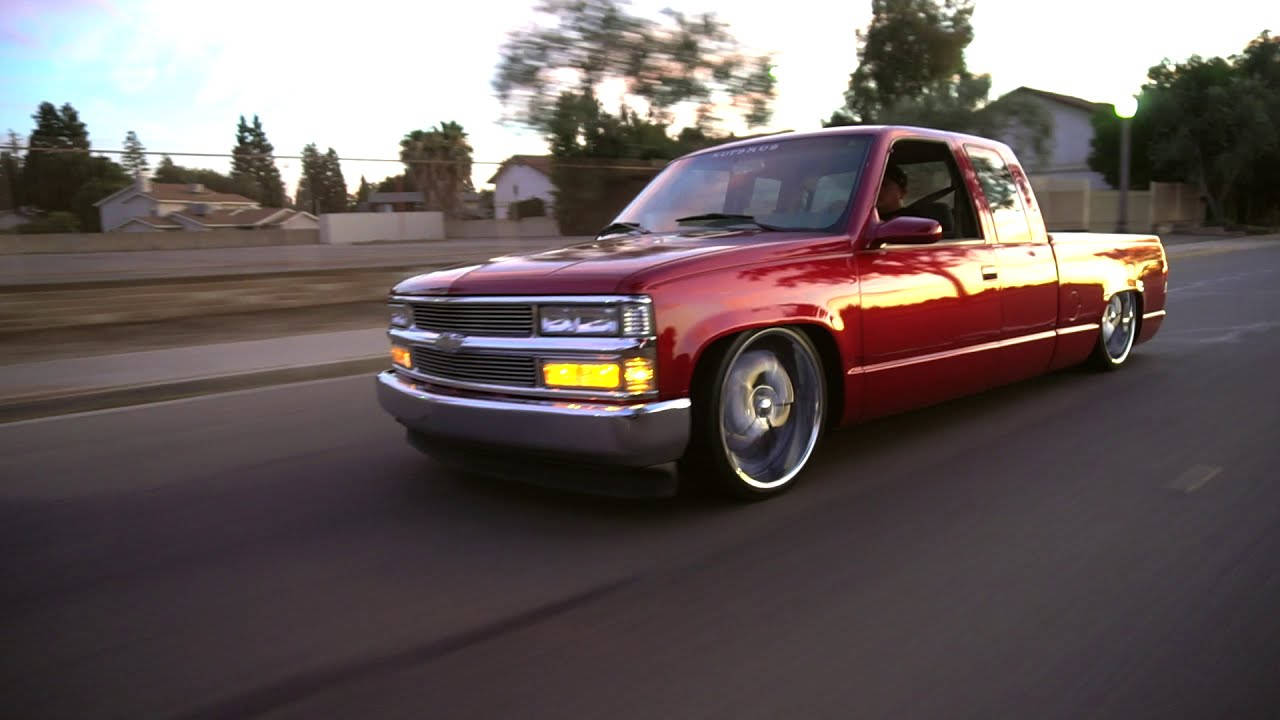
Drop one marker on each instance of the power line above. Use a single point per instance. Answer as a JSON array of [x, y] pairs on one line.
[[89, 151]]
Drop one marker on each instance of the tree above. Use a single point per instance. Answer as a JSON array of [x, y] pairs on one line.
[[321, 189], [335, 186], [581, 44], [362, 194], [910, 49], [439, 161], [54, 167], [102, 177], [168, 172], [912, 71], [134, 161], [254, 165], [10, 174], [603, 160], [396, 183], [310, 179], [1210, 122]]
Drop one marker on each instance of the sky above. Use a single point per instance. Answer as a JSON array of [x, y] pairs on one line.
[[358, 76]]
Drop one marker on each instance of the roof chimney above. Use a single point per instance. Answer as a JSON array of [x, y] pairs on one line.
[[143, 182]]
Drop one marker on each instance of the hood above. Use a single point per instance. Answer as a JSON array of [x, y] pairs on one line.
[[592, 267]]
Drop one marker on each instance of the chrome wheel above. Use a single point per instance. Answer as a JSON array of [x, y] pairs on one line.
[[771, 408], [1119, 326]]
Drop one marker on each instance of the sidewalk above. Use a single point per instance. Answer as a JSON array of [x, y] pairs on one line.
[[66, 385], [160, 361]]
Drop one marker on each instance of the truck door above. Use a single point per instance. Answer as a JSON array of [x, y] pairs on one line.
[[931, 314], [1028, 273]]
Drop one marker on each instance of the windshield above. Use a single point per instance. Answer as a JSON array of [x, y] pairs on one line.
[[800, 184]]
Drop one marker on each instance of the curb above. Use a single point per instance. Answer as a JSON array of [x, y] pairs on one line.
[[157, 392]]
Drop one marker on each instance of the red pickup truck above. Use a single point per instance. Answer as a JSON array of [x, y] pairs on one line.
[[755, 295]]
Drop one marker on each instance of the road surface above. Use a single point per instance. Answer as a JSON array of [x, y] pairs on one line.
[[1101, 545]]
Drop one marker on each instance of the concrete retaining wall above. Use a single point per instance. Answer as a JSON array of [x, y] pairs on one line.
[[169, 240], [527, 228], [352, 228]]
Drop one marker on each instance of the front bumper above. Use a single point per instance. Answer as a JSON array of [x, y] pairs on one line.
[[627, 435]]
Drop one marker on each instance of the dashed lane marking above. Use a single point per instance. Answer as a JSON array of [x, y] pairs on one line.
[[1194, 478]]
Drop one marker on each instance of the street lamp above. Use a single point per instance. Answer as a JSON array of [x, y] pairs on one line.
[[1125, 110]]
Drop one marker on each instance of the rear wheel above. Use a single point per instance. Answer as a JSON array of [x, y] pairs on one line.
[[759, 420], [1117, 331]]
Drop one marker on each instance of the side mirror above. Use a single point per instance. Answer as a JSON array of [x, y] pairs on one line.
[[906, 230]]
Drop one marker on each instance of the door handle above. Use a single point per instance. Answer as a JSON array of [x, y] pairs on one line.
[[988, 272]]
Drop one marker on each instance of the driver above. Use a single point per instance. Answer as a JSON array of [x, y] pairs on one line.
[[892, 192]]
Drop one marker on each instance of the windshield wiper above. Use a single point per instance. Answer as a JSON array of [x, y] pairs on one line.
[[726, 216], [622, 227]]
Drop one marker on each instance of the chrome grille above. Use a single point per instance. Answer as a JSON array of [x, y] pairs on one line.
[[513, 370], [486, 319]]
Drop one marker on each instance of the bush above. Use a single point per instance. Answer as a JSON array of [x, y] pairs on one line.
[[533, 207], [55, 222]]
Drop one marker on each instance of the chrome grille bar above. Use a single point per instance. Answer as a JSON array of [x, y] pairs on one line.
[[490, 319], [510, 370]]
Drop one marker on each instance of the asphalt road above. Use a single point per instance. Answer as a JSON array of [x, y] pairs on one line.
[[1077, 545]]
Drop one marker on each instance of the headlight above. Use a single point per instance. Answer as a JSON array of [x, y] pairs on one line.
[[579, 320], [625, 320], [401, 315]]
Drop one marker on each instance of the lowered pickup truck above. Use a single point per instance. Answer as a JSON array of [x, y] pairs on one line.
[[755, 295]]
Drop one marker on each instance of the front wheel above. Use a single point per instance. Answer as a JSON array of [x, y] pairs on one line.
[[759, 421], [1117, 331]]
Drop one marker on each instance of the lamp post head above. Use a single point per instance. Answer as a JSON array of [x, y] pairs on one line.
[[1126, 107]]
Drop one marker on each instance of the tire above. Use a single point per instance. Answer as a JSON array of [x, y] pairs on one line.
[[759, 415], [1117, 331]]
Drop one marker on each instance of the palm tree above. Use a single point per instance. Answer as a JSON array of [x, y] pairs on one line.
[[439, 160]]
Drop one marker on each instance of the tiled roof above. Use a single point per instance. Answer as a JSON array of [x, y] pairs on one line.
[[153, 221], [237, 217], [541, 163], [1069, 100], [179, 192]]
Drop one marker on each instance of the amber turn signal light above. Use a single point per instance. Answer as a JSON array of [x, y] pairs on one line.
[[596, 376], [401, 356]]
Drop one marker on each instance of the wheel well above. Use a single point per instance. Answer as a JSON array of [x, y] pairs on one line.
[[1137, 312], [828, 355]]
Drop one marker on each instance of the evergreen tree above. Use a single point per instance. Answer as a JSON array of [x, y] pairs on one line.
[[362, 193], [253, 164], [11, 175], [311, 182], [134, 161], [335, 186], [54, 169]]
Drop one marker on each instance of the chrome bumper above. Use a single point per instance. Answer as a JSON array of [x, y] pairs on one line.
[[629, 435]]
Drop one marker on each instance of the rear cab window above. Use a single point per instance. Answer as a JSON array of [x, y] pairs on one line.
[[1008, 213]]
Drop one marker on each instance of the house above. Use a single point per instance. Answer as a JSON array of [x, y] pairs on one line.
[[521, 177], [147, 206], [205, 217], [1071, 140], [395, 202]]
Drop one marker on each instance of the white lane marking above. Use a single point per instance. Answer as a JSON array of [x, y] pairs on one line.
[[1194, 478], [183, 401], [1230, 279]]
